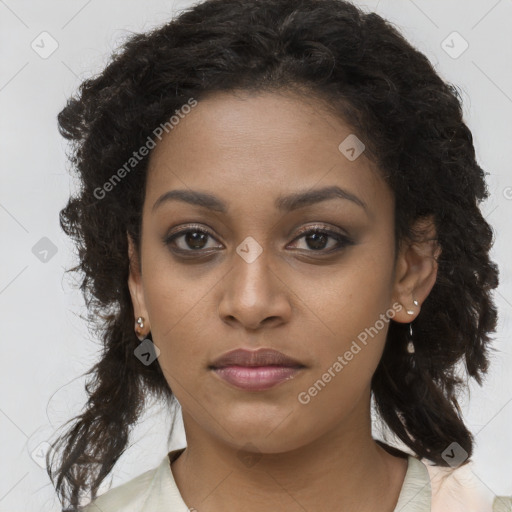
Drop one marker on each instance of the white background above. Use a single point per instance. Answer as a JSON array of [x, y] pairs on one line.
[[45, 344]]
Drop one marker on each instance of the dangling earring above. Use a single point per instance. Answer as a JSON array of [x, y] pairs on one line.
[[410, 345]]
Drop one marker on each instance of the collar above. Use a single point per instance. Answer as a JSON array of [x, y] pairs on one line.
[[415, 495]]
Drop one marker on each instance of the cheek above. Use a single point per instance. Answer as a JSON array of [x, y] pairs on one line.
[[355, 311], [354, 296], [344, 367], [176, 304]]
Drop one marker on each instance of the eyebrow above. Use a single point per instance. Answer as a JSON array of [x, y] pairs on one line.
[[283, 203]]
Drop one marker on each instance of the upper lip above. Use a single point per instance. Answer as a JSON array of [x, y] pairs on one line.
[[260, 357]]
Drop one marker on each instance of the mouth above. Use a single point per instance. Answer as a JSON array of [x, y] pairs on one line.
[[256, 370], [256, 378], [252, 358]]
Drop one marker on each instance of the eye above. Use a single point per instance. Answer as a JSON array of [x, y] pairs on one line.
[[192, 239], [196, 239], [316, 239]]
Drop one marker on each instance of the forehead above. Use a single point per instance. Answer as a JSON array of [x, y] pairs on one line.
[[247, 145]]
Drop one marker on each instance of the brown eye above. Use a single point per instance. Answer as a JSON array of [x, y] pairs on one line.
[[317, 240], [192, 239], [195, 239]]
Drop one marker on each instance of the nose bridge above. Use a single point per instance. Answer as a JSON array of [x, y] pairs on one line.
[[251, 271], [252, 292]]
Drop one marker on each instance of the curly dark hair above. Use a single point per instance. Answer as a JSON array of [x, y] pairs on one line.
[[388, 92]]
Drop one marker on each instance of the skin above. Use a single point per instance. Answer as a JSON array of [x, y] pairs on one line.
[[249, 149]]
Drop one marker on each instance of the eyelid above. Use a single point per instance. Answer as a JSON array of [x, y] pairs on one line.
[[305, 229], [190, 227], [321, 227]]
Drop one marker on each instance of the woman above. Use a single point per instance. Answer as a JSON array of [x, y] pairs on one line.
[[278, 221]]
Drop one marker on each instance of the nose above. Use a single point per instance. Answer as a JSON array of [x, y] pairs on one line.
[[254, 295]]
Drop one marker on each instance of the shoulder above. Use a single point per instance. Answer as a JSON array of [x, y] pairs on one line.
[[460, 490], [127, 497]]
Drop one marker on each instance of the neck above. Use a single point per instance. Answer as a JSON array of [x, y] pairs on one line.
[[345, 469]]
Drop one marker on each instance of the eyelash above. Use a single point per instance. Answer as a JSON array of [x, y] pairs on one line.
[[343, 241]]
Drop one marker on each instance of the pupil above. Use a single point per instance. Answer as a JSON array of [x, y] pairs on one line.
[[195, 239], [319, 240]]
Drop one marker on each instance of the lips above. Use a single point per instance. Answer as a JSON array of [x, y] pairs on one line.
[[255, 370], [251, 358]]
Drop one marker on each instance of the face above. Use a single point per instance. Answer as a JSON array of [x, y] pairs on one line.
[[255, 266]]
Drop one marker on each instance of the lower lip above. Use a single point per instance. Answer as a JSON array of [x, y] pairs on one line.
[[256, 378]]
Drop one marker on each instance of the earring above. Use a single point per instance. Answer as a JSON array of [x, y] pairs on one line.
[[410, 311], [411, 359], [410, 345], [138, 328]]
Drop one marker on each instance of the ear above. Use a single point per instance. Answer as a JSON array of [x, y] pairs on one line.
[[136, 287], [416, 270]]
